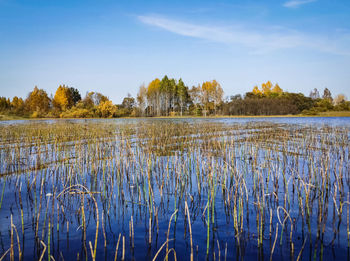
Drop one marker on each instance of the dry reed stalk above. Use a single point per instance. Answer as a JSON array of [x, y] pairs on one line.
[[18, 242], [12, 255], [189, 224], [92, 251], [167, 235], [3, 256], [116, 248], [219, 254], [150, 231], [43, 253], [274, 242], [132, 232], [160, 249], [301, 250], [103, 231], [123, 253]]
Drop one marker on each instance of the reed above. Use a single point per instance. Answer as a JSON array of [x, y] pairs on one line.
[[116, 248], [235, 180]]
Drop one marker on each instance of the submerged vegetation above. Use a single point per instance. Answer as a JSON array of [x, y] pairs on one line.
[[171, 97], [167, 190]]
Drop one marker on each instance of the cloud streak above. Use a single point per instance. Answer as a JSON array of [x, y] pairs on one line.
[[258, 41], [297, 3]]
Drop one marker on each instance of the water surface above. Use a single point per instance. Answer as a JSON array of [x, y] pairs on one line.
[[248, 183]]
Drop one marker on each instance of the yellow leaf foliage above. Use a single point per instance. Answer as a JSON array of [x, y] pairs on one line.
[[277, 89], [17, 103], [256, 90], [63, 98], [211, 94], [153, 87], [38, 101], [267, 89], [107, 109]]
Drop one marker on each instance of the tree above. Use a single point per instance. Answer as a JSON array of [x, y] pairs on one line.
[[128, 104], [211, 96], [340, 103], [76, 97], [300, 101], [322, 105], [314, 94], [182, 95], [266, 88], [340, 98], [218, 94], [327, 95], [153, 98], [107, 109], [94, 99], [195, 94], [256, 90], [63, 98], [142, 99], [17, 105], [166, 96], [88, 100], [196, 99], [167, 91], [277, 89], [172, 95], [5, 104], [38, 102]]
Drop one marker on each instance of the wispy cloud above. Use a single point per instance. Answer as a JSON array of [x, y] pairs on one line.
[[259, 41], [297, 3]]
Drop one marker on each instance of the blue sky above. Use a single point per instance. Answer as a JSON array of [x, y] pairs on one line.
[[115, 46]]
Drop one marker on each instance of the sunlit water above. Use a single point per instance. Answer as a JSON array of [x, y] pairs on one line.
[[142, 170]]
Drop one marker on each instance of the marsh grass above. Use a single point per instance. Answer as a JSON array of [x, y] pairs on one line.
[[164, 187]]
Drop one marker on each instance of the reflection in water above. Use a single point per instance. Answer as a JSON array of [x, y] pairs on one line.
[[220, 188]]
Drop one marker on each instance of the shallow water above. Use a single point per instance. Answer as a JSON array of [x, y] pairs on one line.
[[331, 121], [245, 171]]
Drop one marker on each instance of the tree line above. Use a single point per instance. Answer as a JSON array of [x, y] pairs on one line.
[[171, 97]]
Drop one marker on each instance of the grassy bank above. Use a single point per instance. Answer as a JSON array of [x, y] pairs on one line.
[[334, 114], [11, 117], [321, 114]]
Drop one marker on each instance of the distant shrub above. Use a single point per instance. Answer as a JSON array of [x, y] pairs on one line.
[[312, 111], [106, 109], [35, 114], [77, 113]]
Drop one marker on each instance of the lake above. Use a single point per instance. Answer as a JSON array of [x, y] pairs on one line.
[[144, 189]]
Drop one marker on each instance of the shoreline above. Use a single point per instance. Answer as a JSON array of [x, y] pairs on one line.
[[342, 114]]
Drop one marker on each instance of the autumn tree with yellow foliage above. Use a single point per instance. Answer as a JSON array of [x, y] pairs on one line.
[[267, 89], [256, 90], [107, 109], [63, 98], [211, 96], [171, 97], [38, 102], [153, 97], [277, 89], [164, 97], [17, 105]]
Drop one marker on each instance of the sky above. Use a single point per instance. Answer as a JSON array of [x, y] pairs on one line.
[[115, 46]]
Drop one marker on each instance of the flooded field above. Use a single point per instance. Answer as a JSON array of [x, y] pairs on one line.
[[185, 189]]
